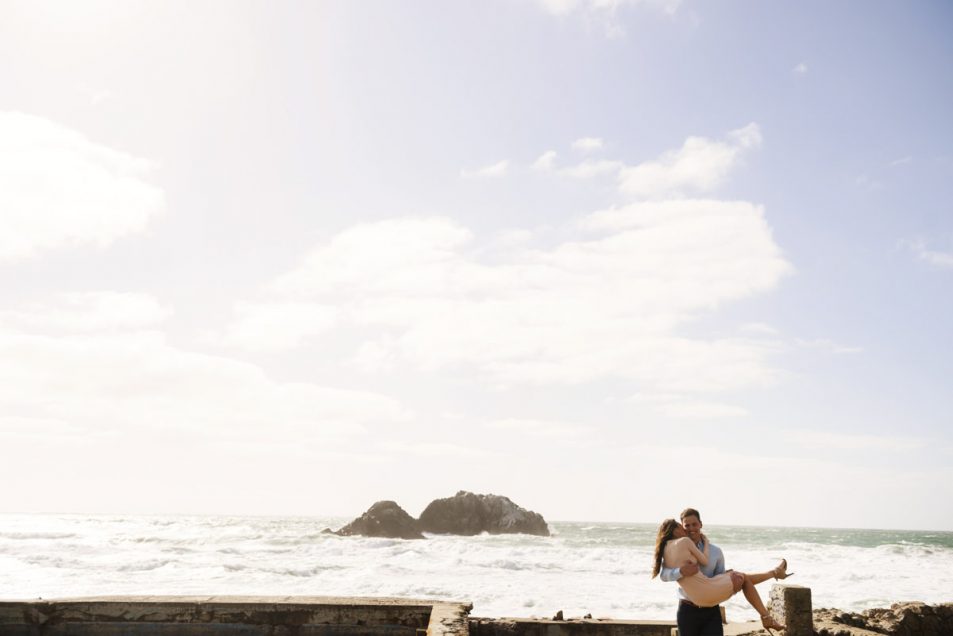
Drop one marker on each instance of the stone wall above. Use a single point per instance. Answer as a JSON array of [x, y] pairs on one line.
[[332, 616], [232, 616], [577, 627]]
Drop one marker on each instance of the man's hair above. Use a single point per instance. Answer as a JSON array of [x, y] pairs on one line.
[[690, 512]]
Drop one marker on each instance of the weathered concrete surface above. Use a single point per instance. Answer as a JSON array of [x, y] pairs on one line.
[[230, 615], [449, 619], [573, 627], [791, 606]]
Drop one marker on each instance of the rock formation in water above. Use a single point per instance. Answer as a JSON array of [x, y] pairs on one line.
[[383, 519], [467, 514]]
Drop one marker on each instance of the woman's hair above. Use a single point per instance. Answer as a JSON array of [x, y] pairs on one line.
[[665, 533]]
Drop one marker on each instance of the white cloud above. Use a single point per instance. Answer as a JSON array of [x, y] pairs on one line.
[[606, 304], [587, 144], [514, 238], [589, 169], [431, 450], [545, 161], [540, 428], [497, 169], [759, 328], [98, 97], [58, 189], [901, 161], [406, 256], [559, 7], [116, 383], [276, 325], [800, 69], [852, 442], [700, 165], [375, 357], [687, 407], [566, 7], [937, 258], [88, 311], [605, 14], [825, 344]]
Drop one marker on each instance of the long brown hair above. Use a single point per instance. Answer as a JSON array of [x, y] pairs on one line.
[[666, 531]]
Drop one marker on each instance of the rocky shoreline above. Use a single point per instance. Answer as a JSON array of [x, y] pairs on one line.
[[900, 619]]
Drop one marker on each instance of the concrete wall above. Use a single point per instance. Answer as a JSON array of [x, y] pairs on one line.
[[232, 616], [326, 616], [577, 627]]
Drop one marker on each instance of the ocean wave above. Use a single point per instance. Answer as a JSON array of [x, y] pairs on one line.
[[59, 562], [143, 566], [27, 536], [589, 567], [178, 549], [301, 572], [914, 550]]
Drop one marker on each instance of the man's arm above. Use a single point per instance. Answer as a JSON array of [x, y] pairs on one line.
[[719, 563], [673, 574]]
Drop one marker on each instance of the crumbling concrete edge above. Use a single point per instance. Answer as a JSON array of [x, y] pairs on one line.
[[449, 619]]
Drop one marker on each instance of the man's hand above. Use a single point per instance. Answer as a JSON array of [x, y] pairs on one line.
[[689, 568]]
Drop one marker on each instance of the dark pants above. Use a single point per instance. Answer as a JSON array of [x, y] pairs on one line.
[[699, 621]]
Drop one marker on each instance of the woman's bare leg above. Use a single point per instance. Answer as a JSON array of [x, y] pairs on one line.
[[759, 577], [751, 593]]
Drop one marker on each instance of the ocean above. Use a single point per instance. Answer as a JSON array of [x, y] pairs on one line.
[[597, 568]]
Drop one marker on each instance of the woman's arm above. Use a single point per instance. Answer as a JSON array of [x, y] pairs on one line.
[[701, 557]]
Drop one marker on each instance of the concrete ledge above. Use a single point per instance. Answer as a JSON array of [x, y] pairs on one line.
[[572, 627], [448, 619], [232, 615]]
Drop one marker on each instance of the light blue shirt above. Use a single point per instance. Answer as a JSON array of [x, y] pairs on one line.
[[716, 566]]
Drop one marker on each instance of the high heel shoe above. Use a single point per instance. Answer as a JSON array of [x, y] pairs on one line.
[[780, 572], [768, 622]]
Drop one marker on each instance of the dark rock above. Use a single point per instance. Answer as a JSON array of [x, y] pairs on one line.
[[558, 616], [909, 619], [383, 519], [900, 619], [467, 514]]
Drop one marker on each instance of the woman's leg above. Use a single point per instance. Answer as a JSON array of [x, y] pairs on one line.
[[761, 577], [751, 593]]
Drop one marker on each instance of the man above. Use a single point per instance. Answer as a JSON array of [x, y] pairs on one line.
[[694, 620]]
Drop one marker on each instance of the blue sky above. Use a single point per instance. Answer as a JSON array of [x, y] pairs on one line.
[[608, 258]]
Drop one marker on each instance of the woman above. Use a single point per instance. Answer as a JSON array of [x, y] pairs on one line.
[[675, 548]]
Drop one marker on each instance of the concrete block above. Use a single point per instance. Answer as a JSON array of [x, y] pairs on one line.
[[791, 605]]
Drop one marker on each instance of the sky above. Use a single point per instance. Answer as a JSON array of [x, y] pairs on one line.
[[610, 258]]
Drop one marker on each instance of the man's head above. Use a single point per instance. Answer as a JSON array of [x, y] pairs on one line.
[[692, 522]]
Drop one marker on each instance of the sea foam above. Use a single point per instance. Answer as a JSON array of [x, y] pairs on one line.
[[602, 569]]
